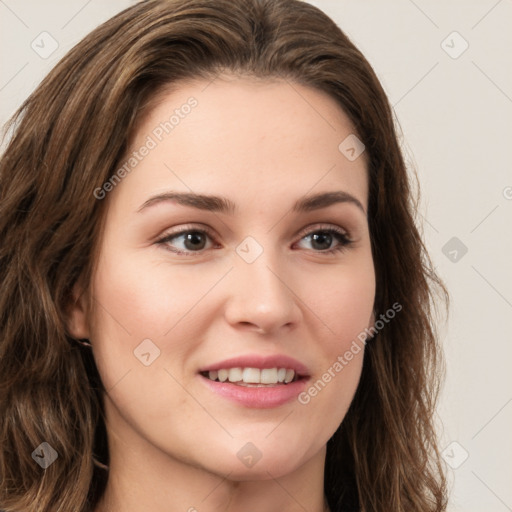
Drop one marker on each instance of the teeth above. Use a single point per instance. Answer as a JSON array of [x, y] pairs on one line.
[[253, 375], [269, 376], [235, 374]]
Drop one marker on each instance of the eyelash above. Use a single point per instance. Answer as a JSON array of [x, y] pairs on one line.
[[343, 239]]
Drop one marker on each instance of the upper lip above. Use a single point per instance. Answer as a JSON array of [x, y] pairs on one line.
[[261, 362]]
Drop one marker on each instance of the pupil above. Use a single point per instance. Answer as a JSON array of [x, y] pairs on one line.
[[322, 238], [194, 238]]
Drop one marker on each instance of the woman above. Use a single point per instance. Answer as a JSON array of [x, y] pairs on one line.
[[214, 296]]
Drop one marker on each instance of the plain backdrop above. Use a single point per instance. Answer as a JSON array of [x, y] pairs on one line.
[[446, 67]]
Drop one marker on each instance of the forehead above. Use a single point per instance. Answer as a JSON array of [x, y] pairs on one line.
[[267, 137]]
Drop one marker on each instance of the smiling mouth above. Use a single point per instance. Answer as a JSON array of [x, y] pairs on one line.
[[253, 377]]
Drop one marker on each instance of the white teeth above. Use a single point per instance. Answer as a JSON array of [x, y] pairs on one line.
[[268, 376], [235, 374], [253, 375]]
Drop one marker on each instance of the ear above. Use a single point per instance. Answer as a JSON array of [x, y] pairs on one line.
[[76, 310]]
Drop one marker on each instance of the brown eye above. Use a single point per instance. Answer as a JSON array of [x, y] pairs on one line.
[[186, 241], [322, 240]]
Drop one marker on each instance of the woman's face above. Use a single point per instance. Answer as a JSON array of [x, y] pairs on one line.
[[198, 284]]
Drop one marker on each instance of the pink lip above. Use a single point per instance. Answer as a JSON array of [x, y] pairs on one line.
[[261, 362], [258, 398]]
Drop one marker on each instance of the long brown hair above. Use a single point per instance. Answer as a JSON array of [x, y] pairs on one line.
[[67, 140]]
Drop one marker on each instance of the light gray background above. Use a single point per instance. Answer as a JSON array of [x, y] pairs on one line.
[[455, 115]]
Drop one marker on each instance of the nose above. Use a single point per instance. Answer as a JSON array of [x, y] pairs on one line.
[[262, 296]]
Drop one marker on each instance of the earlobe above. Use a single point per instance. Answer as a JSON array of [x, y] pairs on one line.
[[76, 323]]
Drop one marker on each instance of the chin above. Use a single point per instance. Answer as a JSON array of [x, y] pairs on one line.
[[257, 461], [262, 470]]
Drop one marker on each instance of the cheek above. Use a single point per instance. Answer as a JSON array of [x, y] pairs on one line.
[[142, 338], [345, 301], [139, 297], [146, 307], [346, 309]]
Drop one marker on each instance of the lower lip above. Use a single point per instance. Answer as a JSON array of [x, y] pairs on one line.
[[257, 397]]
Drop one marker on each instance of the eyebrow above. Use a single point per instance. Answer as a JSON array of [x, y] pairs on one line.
[[224, 205]]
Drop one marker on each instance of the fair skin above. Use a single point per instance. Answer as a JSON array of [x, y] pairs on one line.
[[174, 441]]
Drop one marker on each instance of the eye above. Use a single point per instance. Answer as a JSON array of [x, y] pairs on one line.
[[187, 240], [194, 240], [322, 240]]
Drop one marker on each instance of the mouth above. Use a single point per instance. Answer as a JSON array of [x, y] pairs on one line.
[[254, 377], [256, 381]]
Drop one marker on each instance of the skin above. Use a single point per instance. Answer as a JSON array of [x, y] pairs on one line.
[[173, 442]]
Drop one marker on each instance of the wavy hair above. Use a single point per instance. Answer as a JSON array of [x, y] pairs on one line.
[[68, 138]]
